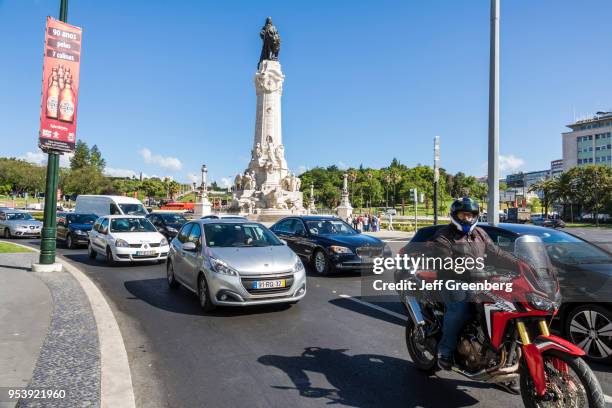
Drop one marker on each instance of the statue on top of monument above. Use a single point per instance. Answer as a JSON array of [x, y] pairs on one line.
[[271, 42]]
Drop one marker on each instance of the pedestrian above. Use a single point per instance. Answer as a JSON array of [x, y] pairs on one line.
[[390, 219], [374, 223], [366, 223], [356, 223]]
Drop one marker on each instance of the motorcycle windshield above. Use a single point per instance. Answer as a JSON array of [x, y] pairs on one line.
[[540, 273]]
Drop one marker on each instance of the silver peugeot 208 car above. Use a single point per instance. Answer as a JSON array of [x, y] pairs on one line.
[[234, 262]]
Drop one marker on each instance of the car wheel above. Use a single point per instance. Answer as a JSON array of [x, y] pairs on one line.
[[90, 252], [321, 263], [204, 295], [109, 257], [69, 242], [590, 328], [7, 233], [170, 275]]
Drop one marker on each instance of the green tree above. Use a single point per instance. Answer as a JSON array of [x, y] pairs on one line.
[[95, 158], [81, 156]]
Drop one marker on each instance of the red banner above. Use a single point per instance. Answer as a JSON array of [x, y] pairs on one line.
[[60, 87]]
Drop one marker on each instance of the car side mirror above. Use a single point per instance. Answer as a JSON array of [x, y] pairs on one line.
[[189, 246]]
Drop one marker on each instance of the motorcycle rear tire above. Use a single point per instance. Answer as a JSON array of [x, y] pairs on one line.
[[428, 366]]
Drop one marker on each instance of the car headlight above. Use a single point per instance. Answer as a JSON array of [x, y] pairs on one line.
[[340, 249], [299, 266], [163, 242], [170, 229], [79, 232], [121, 243], [541, 303], [221, 267]]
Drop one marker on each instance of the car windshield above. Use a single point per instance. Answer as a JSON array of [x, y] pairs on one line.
[[173, 218], [18, 216], [133, 209], [568, 249], [324, 227], [131, 225], [82, 218], [239, 235]]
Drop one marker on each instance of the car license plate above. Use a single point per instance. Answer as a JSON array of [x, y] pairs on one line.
[[144, 253], [269, 284]]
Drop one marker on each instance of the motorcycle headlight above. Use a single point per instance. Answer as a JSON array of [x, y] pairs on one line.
[[163, 242], [299, 266], [121, 243], [221, 267], [541, 303], [340, 249]]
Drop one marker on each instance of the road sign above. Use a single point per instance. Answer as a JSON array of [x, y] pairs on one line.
[[60, 86]]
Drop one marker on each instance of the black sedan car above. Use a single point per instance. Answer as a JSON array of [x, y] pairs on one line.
[[73, 228], [329, 244], [585, 276], [167, 223]]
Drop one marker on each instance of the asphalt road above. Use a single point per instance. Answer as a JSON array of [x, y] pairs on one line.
[[327, 349]]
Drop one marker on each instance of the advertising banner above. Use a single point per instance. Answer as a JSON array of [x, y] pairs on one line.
[[60, 86]]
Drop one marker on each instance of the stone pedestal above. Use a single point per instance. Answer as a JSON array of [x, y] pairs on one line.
[[202, 208], [345, 209]]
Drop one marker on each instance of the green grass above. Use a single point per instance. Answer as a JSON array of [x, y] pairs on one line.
[[586, 225], [8, 248]]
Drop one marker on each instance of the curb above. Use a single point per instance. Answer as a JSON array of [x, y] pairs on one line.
[[116, 379]]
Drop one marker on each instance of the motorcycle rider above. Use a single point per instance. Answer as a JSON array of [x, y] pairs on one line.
[[462, 238]]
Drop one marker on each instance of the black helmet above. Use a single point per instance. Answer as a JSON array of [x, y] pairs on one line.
[[465, 204]]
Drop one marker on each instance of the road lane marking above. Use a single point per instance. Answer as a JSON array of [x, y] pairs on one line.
[[375, 307]]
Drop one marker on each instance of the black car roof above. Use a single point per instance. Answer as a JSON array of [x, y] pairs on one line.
[[519, 229], [314, 217]]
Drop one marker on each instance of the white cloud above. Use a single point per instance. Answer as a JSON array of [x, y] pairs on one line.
[[40, 158], [226, 182], [192, 178], [114, 172], [166, 162], [510, 163]]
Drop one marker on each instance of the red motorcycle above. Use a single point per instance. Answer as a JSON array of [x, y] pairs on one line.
[[507, 336]]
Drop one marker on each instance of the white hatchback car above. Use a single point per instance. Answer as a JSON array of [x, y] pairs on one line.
[[126, 238]]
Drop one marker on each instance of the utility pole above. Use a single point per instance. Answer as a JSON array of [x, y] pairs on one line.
[[49, 230], [436, 177], [493, 173]]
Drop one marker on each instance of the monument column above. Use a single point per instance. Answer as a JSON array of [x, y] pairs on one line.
[[345, 209]]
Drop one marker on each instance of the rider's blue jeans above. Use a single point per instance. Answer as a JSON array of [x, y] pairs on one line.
[[457, 313]]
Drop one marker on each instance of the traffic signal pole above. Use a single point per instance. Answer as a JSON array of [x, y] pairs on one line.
[[493, 173], [49, 230]]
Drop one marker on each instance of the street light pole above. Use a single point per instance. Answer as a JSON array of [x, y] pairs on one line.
[[47, 243], [493, 173]]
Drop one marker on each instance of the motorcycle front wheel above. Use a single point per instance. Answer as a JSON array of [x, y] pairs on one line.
[[423, 353], [570, 382]]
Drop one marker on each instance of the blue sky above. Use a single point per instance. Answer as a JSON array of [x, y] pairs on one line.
[[168, 85]]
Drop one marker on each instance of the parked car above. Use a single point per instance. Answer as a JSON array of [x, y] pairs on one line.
[[73, 228], [124, 238], [330, 244], [167, 223], [223, 217], [547, 222], [109, 205], [585, 273], [234, 263], [15, 223]]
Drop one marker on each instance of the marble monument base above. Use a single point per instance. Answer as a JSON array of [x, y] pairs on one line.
[[202, 208]]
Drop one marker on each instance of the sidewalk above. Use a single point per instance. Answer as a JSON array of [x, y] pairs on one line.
[[51, 338], [58, 333], [386, 235]]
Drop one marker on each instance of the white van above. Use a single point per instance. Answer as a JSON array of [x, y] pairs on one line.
[[109, 205]]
